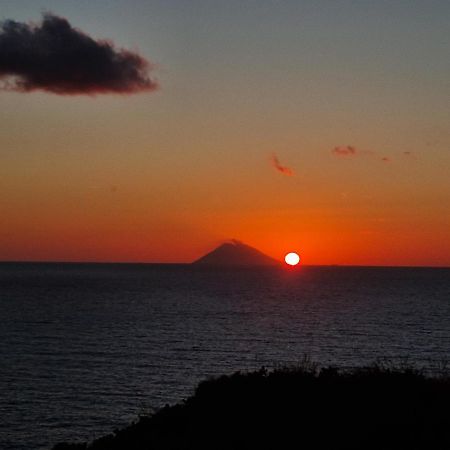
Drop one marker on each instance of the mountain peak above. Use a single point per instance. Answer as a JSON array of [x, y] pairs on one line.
[[236, 253]]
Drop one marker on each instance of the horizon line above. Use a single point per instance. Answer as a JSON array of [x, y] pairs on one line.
[[219, 266]]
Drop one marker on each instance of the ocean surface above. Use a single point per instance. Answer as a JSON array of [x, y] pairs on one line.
[[86, 348]]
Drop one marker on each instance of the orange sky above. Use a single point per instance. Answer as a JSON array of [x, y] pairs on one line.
[[166, 176]]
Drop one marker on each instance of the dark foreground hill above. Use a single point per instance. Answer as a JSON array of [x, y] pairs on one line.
[[235, 254], [298, 409]]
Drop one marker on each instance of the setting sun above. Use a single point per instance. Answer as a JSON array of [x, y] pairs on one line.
[[292, 259]]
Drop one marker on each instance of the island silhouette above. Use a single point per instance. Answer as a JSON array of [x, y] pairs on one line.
[[235, 253]]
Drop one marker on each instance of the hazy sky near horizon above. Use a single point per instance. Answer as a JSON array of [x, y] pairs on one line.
[[351, 96]]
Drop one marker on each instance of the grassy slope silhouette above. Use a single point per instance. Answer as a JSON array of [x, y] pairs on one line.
[[302, 408]]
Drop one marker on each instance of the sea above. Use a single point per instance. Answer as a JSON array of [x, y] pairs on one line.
[[88, 348]]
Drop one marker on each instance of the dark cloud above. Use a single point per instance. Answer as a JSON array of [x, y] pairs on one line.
[[282, 169], [344, 150], [55, 57], [410, 156]]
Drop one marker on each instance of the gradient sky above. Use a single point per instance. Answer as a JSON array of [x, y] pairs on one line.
[[167, 175]]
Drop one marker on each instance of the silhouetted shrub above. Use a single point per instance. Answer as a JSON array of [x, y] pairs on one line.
[[368, 408]]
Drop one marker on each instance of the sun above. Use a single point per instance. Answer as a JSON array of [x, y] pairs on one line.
[[292, 259]]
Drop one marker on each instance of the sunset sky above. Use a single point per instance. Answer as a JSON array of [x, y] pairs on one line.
[[320, 127]]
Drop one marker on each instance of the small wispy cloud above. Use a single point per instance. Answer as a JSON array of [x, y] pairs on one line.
[[55, 57], [279, 167], [349, 151], [344, 150]]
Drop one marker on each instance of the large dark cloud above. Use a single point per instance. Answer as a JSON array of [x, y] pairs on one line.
[[55, 57]]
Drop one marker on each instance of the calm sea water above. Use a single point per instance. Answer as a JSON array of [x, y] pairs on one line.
[[86, 348]]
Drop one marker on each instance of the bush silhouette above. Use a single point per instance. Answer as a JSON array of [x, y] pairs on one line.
[[303, 408]]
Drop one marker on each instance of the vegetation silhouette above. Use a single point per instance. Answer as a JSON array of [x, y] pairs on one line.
[[376, 407]]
